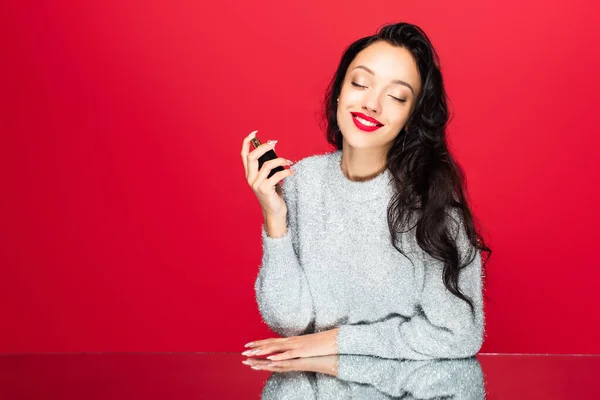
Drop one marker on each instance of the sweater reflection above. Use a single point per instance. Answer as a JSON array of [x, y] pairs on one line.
[[366, 377]]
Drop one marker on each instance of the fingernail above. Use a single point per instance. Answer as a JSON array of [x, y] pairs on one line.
[[252, 134], [271, 357], [249, 344], [272, 142], [290, 162], [255, 367]]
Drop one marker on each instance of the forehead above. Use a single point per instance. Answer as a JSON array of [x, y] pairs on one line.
[[388, 62]]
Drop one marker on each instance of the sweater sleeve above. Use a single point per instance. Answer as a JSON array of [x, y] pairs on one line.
[[282, 290], [442, 327]]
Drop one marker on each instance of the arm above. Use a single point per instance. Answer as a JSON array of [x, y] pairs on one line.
[[282, 290], [444, 327]]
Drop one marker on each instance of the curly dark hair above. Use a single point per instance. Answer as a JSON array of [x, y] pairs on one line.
[[430, 184]]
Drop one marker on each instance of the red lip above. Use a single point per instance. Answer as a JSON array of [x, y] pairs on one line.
[[366, 117]]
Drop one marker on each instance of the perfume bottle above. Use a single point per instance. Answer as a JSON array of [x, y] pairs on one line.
[[269, 155]]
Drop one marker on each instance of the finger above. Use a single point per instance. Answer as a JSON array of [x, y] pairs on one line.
[[286, 355], [252, 352], [261, 350], [273, 369], [244, 153], [256, 361], [270, 348], [258, 343], [278, 176], [252, 159], [282, 364], [263, 182]]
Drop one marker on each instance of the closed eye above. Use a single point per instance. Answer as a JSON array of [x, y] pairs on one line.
[[395, 98], [400, 100]]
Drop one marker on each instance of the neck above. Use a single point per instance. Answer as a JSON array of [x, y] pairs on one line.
[[362, 164]]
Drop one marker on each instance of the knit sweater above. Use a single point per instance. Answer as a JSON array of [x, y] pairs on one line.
[[336, 267]]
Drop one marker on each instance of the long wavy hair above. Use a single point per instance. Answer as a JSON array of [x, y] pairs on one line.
[[429, 182]]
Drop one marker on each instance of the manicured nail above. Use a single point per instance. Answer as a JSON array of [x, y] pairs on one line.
[[249, 344], [255, 367], [252, 134], [271, 357], [272, 142], [290, 162]]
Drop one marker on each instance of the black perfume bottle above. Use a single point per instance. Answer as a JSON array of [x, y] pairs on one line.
[[269, 155]]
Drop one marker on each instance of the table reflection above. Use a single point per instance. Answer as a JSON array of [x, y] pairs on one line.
[[365, 377], [222, 376]]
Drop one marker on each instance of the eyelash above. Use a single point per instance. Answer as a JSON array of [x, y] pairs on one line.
[[395, 98]]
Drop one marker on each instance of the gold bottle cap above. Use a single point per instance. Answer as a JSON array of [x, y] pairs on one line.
[[255, 142]]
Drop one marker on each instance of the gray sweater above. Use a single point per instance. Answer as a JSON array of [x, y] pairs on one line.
[[336, 267]]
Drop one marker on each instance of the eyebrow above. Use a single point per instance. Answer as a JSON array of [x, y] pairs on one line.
[[397, 81]]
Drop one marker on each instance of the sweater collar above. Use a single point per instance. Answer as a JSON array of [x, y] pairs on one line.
[[354, 190]]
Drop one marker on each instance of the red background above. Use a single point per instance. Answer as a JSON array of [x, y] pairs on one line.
[[127, 223]]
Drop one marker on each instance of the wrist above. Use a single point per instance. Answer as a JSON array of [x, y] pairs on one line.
[[275, 226], [334, 333]]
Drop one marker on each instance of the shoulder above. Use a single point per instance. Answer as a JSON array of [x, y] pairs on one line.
[[310, 168], [308, 174], [313, 163]]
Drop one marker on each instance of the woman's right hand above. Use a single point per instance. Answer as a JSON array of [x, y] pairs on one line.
[[268, 191]]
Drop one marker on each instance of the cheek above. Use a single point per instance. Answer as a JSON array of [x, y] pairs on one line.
[[398, 122], [400, 117], [351, 98], [342, 118]]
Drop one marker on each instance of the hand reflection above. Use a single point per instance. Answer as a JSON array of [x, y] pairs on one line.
[[322, 364], [365, 377]]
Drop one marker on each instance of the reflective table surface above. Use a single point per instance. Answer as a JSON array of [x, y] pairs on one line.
[[224, 376]]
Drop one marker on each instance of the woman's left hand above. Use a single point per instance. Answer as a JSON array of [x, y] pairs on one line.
[[311, 345]]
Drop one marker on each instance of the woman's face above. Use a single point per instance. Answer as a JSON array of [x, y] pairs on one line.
[[383, 83]]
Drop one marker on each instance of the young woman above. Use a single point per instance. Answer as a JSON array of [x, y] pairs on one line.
[[371, 248]]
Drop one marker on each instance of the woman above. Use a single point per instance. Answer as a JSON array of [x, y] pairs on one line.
[[371, 249]]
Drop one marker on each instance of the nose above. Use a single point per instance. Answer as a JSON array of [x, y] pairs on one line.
[[371, 102]]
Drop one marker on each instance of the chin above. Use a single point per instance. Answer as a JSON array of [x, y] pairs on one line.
[[357, 139]]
